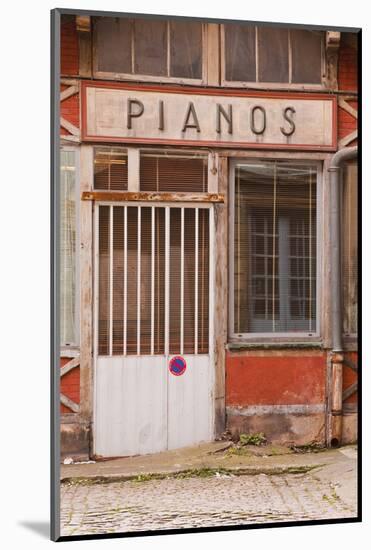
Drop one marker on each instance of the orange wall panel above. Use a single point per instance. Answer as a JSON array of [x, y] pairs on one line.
[[273, 380], [70, 384], [69, 47]]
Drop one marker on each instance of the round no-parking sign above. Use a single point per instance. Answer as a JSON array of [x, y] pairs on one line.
[[177, 365]]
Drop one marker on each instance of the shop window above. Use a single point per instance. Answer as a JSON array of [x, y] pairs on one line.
[[168, 49], [274, 248], [173, 171], [272, 55], [110, 168], [68, 229], [349, 249]]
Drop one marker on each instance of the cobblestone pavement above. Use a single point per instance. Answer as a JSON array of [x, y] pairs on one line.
[[198, 502]]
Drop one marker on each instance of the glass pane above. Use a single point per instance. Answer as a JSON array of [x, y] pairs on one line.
[[175, 276], [68, 248], [273, 54], [203, 281], [150, 47], [103, 312], [275, 247], [170, 171], [113, 44], [110, 168], [306, 56], [240, 63], [186, 49]]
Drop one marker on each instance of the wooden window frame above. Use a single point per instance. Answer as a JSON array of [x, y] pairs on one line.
[[276, 337], [271, 85], [73, 347], [109, 75], [133, 156]]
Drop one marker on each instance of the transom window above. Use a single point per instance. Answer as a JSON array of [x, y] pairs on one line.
[[272, 55], [169, 49], [275, 248], [173, 171]]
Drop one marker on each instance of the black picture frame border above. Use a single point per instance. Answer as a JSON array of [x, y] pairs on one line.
[[55, 45]]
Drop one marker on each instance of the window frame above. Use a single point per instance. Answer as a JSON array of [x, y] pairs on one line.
[[271, 85], [66, 347], [133, 156], [109, 75], [275, 337]]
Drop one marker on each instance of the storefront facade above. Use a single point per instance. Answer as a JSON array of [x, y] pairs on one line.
[[196, 240]]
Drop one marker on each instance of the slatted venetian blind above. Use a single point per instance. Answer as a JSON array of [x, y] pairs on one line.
[[350, 249], [110, 168], [173, 172], [275, 248]]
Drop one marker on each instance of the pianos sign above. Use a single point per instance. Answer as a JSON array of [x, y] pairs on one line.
[[124, 113]]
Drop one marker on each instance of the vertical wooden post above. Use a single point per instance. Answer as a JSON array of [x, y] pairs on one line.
[[133, 169], [221, 296], [86, 286], [83, 26], [212, 49]]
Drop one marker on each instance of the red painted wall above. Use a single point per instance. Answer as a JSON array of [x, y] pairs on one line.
[[70, 108], [349, 376], [347, 81], [275, 380], [70, 384], [69, 47]]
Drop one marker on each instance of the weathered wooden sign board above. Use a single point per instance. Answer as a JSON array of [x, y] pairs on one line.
[[238, 118]]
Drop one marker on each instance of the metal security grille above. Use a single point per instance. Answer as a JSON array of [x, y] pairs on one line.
[[153, 280]]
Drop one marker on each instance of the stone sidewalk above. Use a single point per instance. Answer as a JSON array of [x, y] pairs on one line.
[[222, 457], [208, 485]]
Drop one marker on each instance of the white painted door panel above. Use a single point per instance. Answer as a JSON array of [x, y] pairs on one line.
[[131, 405], [189, 404]]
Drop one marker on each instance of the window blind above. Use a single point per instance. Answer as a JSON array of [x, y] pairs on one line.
[[275, 248], [173, 172], [110, 168]]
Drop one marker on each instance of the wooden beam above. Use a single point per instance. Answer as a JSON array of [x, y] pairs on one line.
[[221, 296], [350, 364], [348, 108], [213, 54], [86, 286], [348, 139], [69, 81], [83, 23], [75, 362], [122, 196], [67, 402], [332, 56], [68, 92], [350, 391], [73, 139], [71, 128]]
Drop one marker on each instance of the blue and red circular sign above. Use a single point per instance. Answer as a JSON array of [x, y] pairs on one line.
[[177, 365]]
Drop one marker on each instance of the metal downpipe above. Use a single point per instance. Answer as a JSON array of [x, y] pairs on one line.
[[337, 358]]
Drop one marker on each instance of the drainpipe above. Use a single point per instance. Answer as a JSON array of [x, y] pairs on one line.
[[337, 358]]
